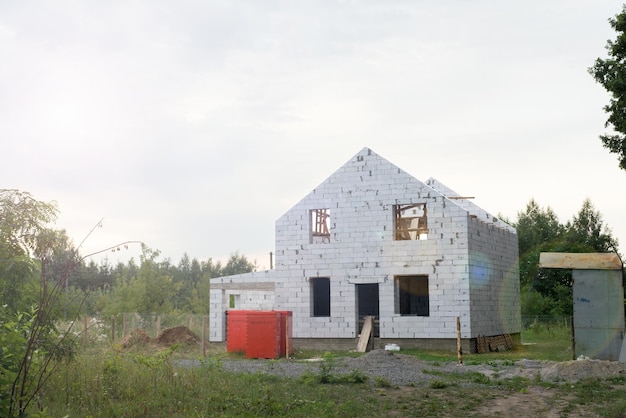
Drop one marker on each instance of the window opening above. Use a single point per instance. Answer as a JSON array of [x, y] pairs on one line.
[[412, 295], [411, 221], [233, 301], [320, 226], [320, 296]]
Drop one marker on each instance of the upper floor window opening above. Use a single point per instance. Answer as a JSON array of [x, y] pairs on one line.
[[320, 226], [411, 221]]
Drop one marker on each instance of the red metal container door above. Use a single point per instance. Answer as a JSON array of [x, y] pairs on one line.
[[236, 331], [263, 334], [286, 339]]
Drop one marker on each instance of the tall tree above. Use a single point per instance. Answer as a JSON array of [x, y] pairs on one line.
[[538, 230], [588, 231], [28, 337], [549, 291], [611, 74], [237, 264]]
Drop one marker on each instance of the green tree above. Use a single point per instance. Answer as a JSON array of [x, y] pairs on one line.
[[23, 228], [237, 264], [611, 74], [588, 232], [200, 299], [538, 230], [29, 340], [549, 291], [148, 289], [157, 284]]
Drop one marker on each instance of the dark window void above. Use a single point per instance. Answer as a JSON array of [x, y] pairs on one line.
[[412, 295], [320, 226], [411, 222], [320, 296]]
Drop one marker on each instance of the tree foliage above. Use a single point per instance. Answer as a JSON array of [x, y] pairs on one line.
[[611, 74], [549, 291], [30, 289], [155, 285]]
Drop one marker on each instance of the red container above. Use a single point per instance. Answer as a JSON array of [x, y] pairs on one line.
[[236, 330], [264, 334]]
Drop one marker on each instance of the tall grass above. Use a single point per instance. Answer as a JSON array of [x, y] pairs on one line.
[[113, 383], [118, 385]]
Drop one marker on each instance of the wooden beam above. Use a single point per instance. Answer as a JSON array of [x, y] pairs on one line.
[[580, 261]]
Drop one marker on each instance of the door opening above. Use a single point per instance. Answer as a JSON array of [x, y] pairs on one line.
[[367, 304]]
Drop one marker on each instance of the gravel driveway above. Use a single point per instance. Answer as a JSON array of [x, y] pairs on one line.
[[402, 370]]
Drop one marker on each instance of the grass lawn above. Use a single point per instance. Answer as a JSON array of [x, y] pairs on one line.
[[134, 384]]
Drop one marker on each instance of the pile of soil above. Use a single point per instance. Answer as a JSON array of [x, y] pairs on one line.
[[571, 371], [168, 337], [180, 334], [137, 336]]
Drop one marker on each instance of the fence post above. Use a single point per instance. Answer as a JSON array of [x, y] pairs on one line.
[[112, 329], [203, 336], [84, 331], [158, 326], [190, 322]]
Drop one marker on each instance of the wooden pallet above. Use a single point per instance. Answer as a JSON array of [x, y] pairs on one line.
[[494, 343]]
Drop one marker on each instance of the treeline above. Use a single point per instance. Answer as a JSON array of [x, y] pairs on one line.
[[32, 255], [159, 286], [152, 285]]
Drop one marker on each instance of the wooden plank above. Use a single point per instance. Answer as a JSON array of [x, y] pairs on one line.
[[581, 261], [459, 350], [366, 332]]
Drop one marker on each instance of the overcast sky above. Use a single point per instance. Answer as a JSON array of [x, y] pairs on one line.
[[193, 125]]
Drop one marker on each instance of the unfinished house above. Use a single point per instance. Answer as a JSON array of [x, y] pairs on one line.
[[371, 240]]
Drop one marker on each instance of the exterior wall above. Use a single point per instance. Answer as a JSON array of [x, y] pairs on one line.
[[443, 344], [217, 320], [362, 249], [494, 280]]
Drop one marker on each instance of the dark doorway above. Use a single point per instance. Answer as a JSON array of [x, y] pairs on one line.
[[367, 303]]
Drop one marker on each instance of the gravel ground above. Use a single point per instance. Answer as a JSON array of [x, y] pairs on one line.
[[402, 370]]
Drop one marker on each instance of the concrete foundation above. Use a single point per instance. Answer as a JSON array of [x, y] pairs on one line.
[[468, 345]]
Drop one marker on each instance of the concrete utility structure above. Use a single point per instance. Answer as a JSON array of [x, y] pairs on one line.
[[371, 240], [598, 294]]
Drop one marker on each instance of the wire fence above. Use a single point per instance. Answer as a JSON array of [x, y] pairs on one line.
[[546, 323], [101, 332], [554, 333]]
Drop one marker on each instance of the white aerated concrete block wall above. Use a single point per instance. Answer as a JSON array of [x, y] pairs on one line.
[[217, 319], [494, 280], [362, 249]]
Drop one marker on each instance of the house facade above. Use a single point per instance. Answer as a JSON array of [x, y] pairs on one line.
[[373, 240]]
